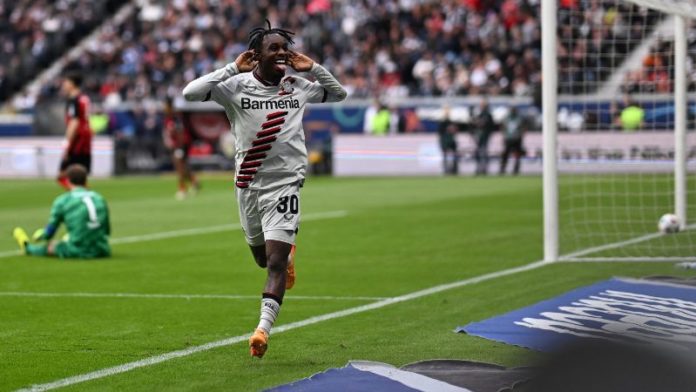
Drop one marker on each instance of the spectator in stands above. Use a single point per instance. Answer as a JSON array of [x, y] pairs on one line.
[[447, 133], [383, 47], [35, 33], [632, 116], [369, 117], [382, 121], [514, 128], [485, 126]]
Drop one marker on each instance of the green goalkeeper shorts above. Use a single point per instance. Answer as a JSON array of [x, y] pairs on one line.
[[67, 250]]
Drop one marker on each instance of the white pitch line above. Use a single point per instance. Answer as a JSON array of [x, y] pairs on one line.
[[196, 231], [10, 253], [615, 245], [215, 229], [282, 328], [179, 296]]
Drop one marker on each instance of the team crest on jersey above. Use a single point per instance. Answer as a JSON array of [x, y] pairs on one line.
[[286, 86]]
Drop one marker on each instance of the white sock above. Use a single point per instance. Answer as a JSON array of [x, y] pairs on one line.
[[269, 311]]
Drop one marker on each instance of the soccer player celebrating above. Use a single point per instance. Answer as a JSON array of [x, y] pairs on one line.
[[178, 140], [78, 133], [265, 108], [86, 218]]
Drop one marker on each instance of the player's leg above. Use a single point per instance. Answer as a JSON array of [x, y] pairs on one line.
[[517, 154], [86, 161], [27, 247], [455, 158], [445, 161], [67, 250], [280, 221], [504, 158], [277, 253], [484, 159], [191, 177], [177, 160], [62, 177], [478, 156]]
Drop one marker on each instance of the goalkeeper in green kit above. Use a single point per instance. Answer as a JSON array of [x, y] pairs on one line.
[[86, 218]]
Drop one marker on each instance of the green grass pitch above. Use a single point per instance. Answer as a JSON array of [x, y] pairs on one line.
[[397, 236]]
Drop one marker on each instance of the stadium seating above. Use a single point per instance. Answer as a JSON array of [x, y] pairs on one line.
[[656, 74], [34, 33], [392, 48], [597, 27], [387, 48]]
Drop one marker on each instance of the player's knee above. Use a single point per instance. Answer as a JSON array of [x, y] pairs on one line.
[[277, 261], [261, 260]]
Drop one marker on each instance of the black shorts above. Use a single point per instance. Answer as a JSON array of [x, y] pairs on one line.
[[513, 145], [82, 159]]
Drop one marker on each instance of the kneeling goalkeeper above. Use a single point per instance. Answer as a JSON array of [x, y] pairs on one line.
[[86, 218]]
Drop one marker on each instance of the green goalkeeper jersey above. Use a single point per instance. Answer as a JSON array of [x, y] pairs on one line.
[[86, 218]]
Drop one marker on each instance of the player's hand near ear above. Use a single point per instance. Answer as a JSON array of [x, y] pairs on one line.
[[300, 62], [246, 61]]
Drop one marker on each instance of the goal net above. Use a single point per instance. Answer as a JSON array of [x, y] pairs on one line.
[[618, 82]]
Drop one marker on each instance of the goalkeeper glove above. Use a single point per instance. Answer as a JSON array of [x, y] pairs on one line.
[[38, 235]]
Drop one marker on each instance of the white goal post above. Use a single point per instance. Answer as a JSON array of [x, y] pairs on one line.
[[592, 245]]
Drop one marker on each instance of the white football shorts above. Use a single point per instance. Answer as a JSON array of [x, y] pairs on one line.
[[272, 214]]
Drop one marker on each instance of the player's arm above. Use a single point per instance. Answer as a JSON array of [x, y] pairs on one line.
[[107, 220], [54, 222], [333, 91], [201, 89]]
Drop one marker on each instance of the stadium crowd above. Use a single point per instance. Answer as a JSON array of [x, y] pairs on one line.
[[595, 36], [34, 33], [392, 48], [657, 72], [375, 47]]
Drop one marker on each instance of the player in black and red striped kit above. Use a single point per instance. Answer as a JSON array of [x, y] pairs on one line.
[[78, 133], [178, 140]]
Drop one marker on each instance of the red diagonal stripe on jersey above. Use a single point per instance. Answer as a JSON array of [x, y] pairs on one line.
[[247, 171], [273, 115], [265, 140], [254, 150], [242, 184], [246, 165], [272, 123], [268, 132], [253, 157], [245, 178]]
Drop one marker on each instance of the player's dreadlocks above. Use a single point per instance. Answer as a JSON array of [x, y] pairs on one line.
[[256, 35]]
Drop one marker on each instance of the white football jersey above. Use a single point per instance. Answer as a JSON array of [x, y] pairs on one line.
[[267, 125]]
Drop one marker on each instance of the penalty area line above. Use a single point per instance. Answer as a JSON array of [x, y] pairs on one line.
[[196, 231], [181, 296], [215, 229], [279, 329]]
